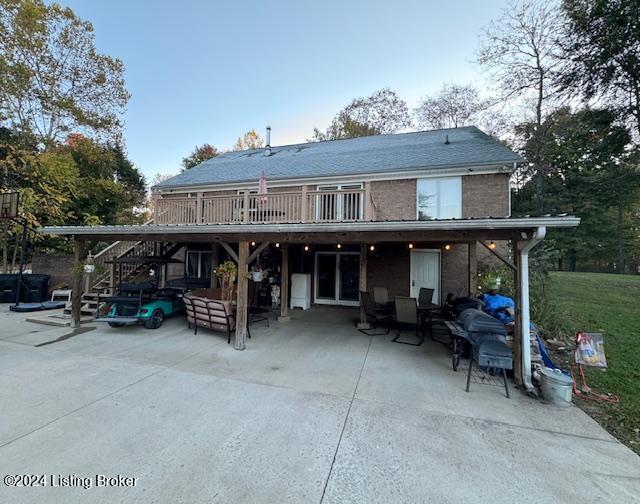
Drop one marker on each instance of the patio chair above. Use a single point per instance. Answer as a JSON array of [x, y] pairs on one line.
[[435, 323], [210, 314], [374, 317], [425, 297], [407, 316], [381, 299]]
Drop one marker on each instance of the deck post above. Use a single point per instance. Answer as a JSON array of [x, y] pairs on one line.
[[284, 284], [245, 207], [199, 207], [305, 204], [363, 324], [473, 268], [242, 296], [367, 201], [78, 274]]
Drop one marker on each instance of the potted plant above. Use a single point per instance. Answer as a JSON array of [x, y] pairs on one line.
[[257, 273], [227, 272]]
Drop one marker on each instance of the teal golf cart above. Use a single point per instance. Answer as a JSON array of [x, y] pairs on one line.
[[142, 303]]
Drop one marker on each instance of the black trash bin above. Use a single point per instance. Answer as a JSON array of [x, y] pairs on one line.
[[8, 286], [34, 288]]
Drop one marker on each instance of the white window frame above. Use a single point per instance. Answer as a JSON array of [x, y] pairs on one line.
[[340, 199], [437, 180]]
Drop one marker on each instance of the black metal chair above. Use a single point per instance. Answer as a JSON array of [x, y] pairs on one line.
[[381, 300], [425, 296], [407, 317], [436, 321], [375, 318]]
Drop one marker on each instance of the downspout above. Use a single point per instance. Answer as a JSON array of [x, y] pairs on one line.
[[537, 237]]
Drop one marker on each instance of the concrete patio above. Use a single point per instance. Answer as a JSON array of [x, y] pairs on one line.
[[312, 411]]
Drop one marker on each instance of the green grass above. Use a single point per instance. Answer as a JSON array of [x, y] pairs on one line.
[[597, 302]]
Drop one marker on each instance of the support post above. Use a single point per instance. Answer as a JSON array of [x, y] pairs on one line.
[[284, 284], [517, 341], [363, 285], [242, 296], [367, 201], [112, 276], [76, 293], [473, 269]]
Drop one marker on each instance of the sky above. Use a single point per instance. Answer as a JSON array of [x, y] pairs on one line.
[[207, 71]]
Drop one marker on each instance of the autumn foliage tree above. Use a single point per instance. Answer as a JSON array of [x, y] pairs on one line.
[[199, 155]]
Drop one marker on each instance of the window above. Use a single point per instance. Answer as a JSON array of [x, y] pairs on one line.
[[198, 264], [439, 198]]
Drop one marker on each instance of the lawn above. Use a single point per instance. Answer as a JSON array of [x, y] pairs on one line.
[[597, 302]]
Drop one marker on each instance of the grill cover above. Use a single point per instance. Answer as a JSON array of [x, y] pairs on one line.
[[477, 321]]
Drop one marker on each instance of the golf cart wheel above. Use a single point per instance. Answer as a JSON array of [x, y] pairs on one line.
[[116, 324], [156, 319]]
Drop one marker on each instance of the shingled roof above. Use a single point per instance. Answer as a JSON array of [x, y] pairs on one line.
[[468, 146]]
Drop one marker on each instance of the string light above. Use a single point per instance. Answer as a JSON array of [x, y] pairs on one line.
[[277, 245], [253, 244], [339, 246], [411, 245], [306, 248], [447, 247], [372, 248], [492, 245]]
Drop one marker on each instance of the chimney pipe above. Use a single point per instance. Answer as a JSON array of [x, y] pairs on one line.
[[267, 148], [446, 141]]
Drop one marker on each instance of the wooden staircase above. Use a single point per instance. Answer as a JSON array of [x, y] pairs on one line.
[[109, 275]]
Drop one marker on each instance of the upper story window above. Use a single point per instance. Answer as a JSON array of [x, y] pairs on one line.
[[439, 198]]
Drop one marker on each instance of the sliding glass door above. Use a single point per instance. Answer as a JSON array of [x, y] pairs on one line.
[[337, 278]]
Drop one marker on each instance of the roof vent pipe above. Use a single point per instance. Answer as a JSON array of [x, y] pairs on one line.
[[446, 140], [267, 148]]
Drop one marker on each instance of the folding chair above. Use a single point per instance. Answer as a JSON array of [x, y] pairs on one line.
[[407, 316], [375, 318]]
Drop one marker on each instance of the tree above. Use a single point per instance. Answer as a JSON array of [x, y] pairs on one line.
[[593, 175], [452, 107], [603, 53], [52, 78], [522, 54], [250, 140], [382, 112], [199, 155]]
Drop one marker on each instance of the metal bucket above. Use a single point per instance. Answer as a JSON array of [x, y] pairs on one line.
[[556, 387]]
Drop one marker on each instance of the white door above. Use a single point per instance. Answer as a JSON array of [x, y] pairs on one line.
[[425, 272]]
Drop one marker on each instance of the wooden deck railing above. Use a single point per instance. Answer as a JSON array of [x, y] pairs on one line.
[[275, 208]]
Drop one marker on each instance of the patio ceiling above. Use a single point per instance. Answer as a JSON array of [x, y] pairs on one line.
[[355, 232]]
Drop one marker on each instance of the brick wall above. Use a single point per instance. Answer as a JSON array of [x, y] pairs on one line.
[[59, 266], [390, 267], [394, 199], [455, 270], [485, 195]]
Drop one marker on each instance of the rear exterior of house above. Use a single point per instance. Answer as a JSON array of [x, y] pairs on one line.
[[475, 186], [400, 211]]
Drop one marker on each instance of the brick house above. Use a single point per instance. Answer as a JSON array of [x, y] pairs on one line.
[[403, 211]]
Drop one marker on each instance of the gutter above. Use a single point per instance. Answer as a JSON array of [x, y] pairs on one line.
[[523, 265]]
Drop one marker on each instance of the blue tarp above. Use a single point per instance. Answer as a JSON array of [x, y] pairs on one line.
[[497, 305]]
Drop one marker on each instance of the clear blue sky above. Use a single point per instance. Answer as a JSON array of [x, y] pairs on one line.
[[205, 71]]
